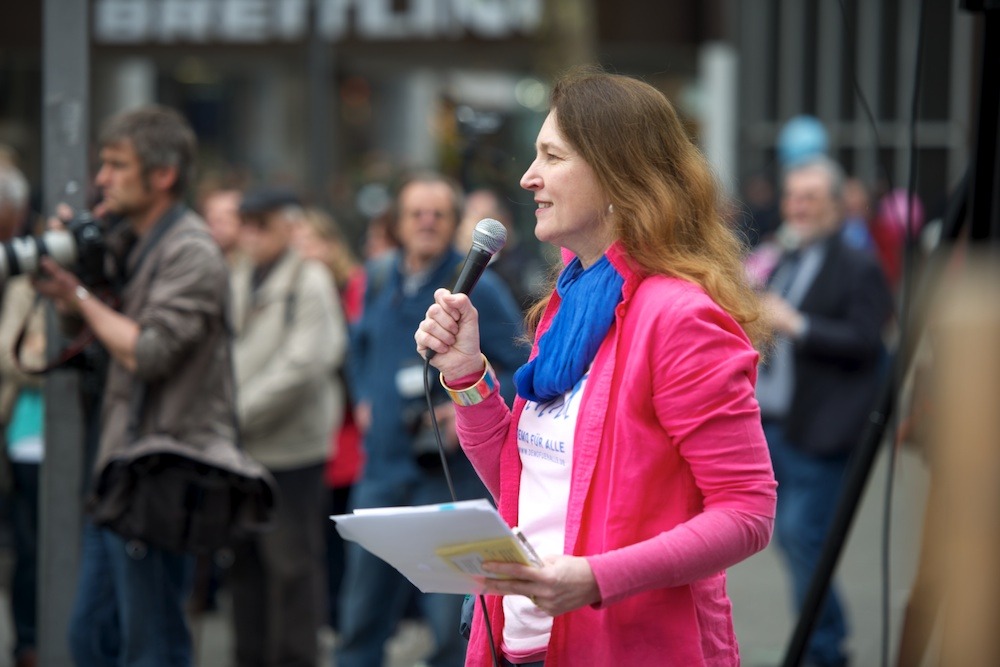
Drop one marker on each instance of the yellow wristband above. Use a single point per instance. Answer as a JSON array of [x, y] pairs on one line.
[[478, 392]]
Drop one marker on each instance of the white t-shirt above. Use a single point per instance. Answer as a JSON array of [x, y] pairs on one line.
[[545, 435]]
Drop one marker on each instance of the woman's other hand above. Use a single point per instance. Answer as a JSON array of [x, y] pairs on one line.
[[562, 584]]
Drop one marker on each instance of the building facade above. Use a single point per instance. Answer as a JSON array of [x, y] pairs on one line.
[[332, 95]]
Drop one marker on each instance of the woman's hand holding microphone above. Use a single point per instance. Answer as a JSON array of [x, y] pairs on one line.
[[562, 583], [451, 329]]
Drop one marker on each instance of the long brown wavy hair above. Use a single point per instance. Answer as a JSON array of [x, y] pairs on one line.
[[668, 209], [340, 260]]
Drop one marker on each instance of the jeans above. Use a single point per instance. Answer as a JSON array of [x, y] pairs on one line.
[[129, 608], [374, 595], [24, 528], [808, 491]]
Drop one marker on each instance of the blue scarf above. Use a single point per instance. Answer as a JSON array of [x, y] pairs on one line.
[[567, 348]]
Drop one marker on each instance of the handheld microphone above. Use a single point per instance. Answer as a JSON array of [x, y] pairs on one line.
[[487, 238]]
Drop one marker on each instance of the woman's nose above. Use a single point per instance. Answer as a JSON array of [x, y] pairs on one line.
[[530, 179]]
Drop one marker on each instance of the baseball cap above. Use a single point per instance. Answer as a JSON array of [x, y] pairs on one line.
[[257, 201]]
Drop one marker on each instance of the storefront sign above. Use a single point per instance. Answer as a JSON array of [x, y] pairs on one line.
[[257, 21]]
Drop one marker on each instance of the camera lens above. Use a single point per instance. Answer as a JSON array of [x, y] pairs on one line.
[[82, 239], [23, 254]]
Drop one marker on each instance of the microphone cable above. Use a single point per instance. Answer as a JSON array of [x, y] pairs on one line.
[[905, 290], [454, 496]]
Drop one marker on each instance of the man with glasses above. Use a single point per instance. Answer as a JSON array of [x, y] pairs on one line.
[[828, 303], [403, 466]]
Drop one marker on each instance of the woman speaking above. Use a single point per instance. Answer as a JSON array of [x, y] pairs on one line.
[[633, 458]]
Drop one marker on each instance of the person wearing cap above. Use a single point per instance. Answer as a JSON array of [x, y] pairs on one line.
[[290, 339]]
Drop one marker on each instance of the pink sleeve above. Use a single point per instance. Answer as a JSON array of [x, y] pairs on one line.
[[704, 400], [698, 548], [482, 429]]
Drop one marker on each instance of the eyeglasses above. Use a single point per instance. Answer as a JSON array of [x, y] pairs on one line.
[[416, 213]]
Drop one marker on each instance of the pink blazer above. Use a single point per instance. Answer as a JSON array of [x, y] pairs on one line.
[[671, 483]]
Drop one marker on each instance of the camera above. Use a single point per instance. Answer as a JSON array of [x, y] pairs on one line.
[[424, 445], [78, 248]]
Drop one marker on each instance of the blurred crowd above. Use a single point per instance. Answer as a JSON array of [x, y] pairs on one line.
[[330, 393]]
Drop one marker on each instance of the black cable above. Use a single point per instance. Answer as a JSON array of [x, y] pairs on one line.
[[867, 109], [454, 496], [489, 631], [891, 426], [904, 299], [437, 430]]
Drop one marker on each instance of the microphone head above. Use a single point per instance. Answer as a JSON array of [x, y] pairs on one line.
[[490, 235]]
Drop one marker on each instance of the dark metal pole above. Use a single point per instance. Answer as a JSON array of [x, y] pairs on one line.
[[66, 109], [319, 145], [854, 485], [984, 210], [978, 200]]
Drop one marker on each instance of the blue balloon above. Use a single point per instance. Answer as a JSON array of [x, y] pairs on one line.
[[800, 138]]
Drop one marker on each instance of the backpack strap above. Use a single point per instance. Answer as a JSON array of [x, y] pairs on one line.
[[71, 350], [292, 296]]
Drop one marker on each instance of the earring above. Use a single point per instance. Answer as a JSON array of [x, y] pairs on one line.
[[611, 208]]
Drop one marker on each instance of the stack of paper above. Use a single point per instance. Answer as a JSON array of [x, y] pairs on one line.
[[440, 548]]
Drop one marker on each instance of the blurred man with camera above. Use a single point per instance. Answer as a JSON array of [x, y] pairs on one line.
[[290, 341], [169, 375], [403, 466]]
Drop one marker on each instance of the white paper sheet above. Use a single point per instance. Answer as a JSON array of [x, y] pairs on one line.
[[408, 538]]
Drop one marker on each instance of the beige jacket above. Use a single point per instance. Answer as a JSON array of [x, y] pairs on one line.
[[19, 311], [290, 340]]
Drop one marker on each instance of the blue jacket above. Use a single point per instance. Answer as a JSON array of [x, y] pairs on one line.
[[382, 347]]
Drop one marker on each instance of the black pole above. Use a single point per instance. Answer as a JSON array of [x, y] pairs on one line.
[[858, 472], [863, 457], [319, 113], [978, 199], [984, 209], [66, 108]]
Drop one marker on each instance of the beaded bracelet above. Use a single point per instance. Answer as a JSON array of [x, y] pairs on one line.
[[478, 392]]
